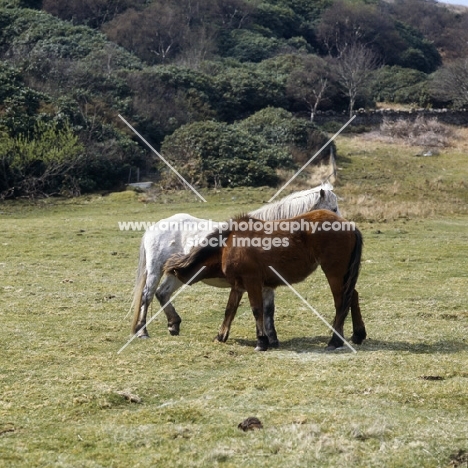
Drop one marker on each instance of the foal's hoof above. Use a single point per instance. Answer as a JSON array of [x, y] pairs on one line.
[[221, 338], [274, 344], [359, 337], [144, 336], [260, 348]]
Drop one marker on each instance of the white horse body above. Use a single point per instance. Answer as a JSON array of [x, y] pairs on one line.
[[160, 241], [179, 233]]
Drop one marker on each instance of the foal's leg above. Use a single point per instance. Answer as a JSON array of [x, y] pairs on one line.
[[254, 291], [359, 329], [235, 297], [169, 285], [336, 285], [269, 317]]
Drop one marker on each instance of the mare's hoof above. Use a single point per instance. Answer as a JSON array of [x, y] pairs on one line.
[[330, 348], [144, 336], [274, 344], [262, 343], [220, 338], [174, 330]]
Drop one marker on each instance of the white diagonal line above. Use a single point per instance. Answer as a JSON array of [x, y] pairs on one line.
[[312, 309], [311, 159], [163, 159], [162, 308]]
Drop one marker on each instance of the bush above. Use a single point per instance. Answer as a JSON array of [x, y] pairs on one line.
[[218, 154], [249, 46], [39, 164], [400, 85], [244, 90], [300, 137]]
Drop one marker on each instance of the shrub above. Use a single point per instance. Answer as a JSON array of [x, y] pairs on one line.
[[244, 90], [300, 137], [38, 164], [218, 154], [400, 85]]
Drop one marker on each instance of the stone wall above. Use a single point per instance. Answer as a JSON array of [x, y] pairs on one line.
[[374, 118]]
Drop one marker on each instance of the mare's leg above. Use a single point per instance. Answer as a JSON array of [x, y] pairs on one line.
[[235, 297], [163, 293], [254, 290], [269, 317], [147, 295], [359, 329]]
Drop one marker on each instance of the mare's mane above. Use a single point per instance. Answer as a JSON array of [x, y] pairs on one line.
[[293, 205]]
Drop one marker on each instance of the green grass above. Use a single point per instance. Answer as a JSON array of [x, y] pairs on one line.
[[66, 276]]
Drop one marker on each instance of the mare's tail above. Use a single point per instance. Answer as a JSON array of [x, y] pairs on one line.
[[139, 286], [352, 274]]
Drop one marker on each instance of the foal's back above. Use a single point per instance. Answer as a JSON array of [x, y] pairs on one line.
[[293, 247]]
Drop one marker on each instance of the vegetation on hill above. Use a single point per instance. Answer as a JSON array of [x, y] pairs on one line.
[[172, 68]]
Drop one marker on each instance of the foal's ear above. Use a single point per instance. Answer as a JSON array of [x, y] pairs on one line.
[[322, 193]]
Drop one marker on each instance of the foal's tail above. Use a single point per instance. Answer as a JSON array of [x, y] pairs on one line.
[[352, 274], [139, 286]]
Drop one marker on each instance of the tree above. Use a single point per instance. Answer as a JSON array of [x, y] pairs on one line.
[[353, 68], [154, 34], [344, 24], [310, 83], [443, 26], [450, 83], [394, 42]]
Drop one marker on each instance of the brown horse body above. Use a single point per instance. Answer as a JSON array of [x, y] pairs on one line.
[[244, 258]]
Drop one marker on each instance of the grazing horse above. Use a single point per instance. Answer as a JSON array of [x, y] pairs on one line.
[[160, 242], [247, 257]]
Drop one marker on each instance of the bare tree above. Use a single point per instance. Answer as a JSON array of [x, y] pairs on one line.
[[310, 83], [153, 34], [451, 83], [353, 68]]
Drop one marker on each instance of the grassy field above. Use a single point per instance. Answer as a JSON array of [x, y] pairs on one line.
[[67, 399]]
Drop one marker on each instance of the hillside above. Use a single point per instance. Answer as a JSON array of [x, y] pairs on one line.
[[225, 74]]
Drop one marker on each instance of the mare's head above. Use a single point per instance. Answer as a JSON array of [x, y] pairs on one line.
[[327, 200]]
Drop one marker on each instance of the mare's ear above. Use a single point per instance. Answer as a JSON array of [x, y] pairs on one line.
[[322, 193]]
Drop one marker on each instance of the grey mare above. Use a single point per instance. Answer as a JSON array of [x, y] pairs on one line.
[[179, 233]]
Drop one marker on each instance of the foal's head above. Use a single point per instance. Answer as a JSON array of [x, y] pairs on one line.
[[207, 255]]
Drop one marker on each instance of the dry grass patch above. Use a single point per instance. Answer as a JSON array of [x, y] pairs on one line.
[[378, 180], [424, 132]]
